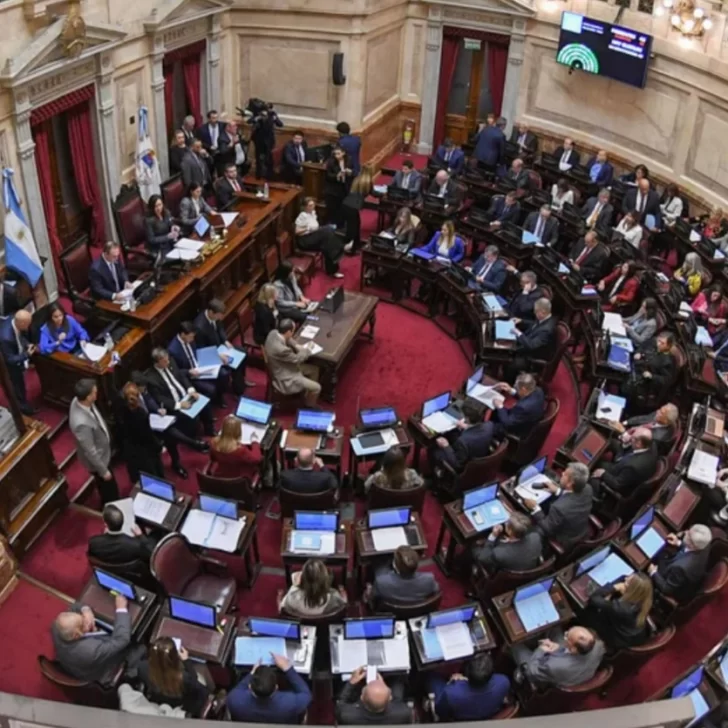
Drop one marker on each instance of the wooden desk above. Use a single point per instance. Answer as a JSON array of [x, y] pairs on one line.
[[461, 532], [103, 605], [677, 502], [294, 440], [510, 624], [175, 516], [403, 442], [336, 630], [632, 551], [212, 645], [337, 335], [339, 559]]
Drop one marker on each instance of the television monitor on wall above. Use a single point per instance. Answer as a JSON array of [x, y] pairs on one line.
[[604, 49]]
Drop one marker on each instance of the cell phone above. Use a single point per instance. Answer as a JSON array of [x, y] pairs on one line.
[[539, 486], [177, 643], [477, 517], [371, 673]]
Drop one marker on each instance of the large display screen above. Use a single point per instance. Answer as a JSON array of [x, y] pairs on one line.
[[608, 50]]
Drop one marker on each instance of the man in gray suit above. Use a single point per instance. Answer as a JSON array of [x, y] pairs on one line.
[[567, 521], [194, 166], [90, 654], [513, 547], [408, 178], [402, 582], [572, 659], [284, 359], [93, 439]]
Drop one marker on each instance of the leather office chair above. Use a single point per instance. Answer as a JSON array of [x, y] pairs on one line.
[[408, 610], [75, 263], [534, 180], [246, 316], [240, 489], [625, 505], [486, 586], [715, 580], [508, 711], [633, 657], [304, 262], [547, 369], [82, 692], [136, 571], [273, 395], [182, 572], [523, 450], [476, 472], [564, 699], [130, 214], [380, 497], [600, 679], [173, 190], [291, 501], [597, 535]]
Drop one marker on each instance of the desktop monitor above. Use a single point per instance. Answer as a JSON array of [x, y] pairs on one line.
[[369, 628], [532, 590], [474, 379], [535, 468], [436, 404], [478, 496], [254, 411], [316, 520], [450, 616], [642, 523], [387, 517], [201, 227], [219, 506], [156, 487], [378, 417], [591, 561], [115, 584], [275, 628], [314, 421], [198, 613]]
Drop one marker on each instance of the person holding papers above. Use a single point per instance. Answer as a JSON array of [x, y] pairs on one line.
[[690, 274], [662, 423], [229, 458], [61, 332], [107, 275], [569, 659], [184, 352], [113, 546], [401, 582], [710, 309], [629, 469], [588, 257], [373, 703], [513, 546], [620, 287], [642, 326], [446, 244], [310, 475], [162, 233], [471, 440], [489, 270], [311, 593], [394, 473], [172, 389], [257, 698], [193, 207], [543, 226], [521, 306], [528, 410], [618, 612], [567, 155], [535, 340], [681, 569], [290, 300], [567, 521], [476, 694]]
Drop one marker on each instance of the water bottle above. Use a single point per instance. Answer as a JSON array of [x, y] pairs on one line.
[[108, 341], [265, 191]]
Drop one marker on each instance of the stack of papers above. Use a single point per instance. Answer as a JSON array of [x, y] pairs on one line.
[[650, 542], [182, 254], [160, 423], [309, 332], [703, 468], [389, 539], [439, 422], [536, 611], [251, 650], [389, 439], [381, 189], [352, 654], [589, 291], [613, 323], [695, 236], [486, 395], [702, 337], [188, 244], [93, 352], [448, 642], [313, 347], [151, 509], [202, 528], [252, 433]]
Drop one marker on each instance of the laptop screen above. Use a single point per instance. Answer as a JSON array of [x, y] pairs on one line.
[[533, 590], [193, 612], [314, 420], [154, 486], [591, 561], [113, 583], [201, 227], [369, 628], [474, 379], [435, 404], [389, 517], [641, 523], [219, 506], [477, 496], [379, 417], [535, 468], [688, 684], [254, 411], [315, 521], [450, 616], [275, 628]]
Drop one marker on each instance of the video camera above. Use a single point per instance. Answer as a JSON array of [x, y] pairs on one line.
[[255, 107]]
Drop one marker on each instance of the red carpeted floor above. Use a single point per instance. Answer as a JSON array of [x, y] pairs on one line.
[[410, 359]]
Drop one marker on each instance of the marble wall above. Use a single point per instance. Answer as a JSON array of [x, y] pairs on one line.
[[381, 82]]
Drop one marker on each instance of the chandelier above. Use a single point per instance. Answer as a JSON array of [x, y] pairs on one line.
[[686, 17]]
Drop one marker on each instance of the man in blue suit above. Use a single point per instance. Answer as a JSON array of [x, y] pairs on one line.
[[16, 351], [600, 170], [490, 144], [184, 352], [471, 441], [477, 694], [408, 178], [107, 275], [543, 225], [489, 270], [504, 209], [257, 699], [294, 155], [525, 413], [211, 132], [449, 157], [351, 144]]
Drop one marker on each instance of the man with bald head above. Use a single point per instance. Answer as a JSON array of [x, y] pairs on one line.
[[372, 703], [643, 200], [17, 350], [443, 186], [600, 170], [310, 476], [662, 423], [630, 469]]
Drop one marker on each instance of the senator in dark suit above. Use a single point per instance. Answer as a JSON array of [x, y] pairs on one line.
[[490, 271], [449, 157], [566, 155], [444, 186], [631, 468], [16, 351], [194, 167], [472, 440], [589, 257], [526, 140], [511, 547], [597, 212], [351, 144], [107, 275], [517, 176], [643, 200], [536, 340], [525, 413], [490, 144], [373, 703], [294, 155], [209, 134], [504, 209], [401, 582], [521, 305], [600, 170], [309, 477], [115, 547], [183, 350], [655, 368], [177, 152], [662, 423], [227, 187], [543, 225], [681, 571]]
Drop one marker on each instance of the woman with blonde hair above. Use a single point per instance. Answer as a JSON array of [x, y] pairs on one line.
[[265, 313], [352, 206], [311, 593], [618, 612], [229, 458], [446, 244], [691, 274], [404, 226]]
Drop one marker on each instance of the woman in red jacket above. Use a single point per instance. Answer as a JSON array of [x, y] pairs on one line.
[[230, 458], [710, 309], [620, 287]]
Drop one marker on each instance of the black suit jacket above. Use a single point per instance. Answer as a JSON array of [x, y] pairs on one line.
[[538, 338], [497, 211], [308, 481], [521, 305], [291, 160], [14, 357], [530, 142], [224, 191], [333, 186], [470, 444], [158, 387], [176, 155], [567, 521], [118, 548], [615, 620], [630, 470], [604, 219], [680, 575], [518, 555], [101, 281], [208, 333], [194, 169], [651, 206], [550, 233], [662, 367], [662, 435], [592, 267], [452, 193], [351, 711], [573, 158], [520, 181]]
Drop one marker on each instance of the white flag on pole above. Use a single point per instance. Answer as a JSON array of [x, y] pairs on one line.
[[147, 164]]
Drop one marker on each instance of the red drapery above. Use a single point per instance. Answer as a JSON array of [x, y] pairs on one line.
[[58, 106], [450, 51], [497, 61], [191, 73], [80, 138], [180, 54], [168, 72], [43, 163]]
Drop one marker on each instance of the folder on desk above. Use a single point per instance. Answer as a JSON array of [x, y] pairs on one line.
[[623, 342], [612, 569], [589, 291], [703, 468], [534, 606], [493, 302], [235, 356], [151, 509], [250, 650], [208, 357], [420, 253], [447, 642], [212, 531], [197, 406], [613, 322], [528, 238], [610, 407], [492, 514], [505, 331], [563, 269], [650, 542]]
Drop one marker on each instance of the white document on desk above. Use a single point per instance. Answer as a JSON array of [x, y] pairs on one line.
[[182, 254], [389, 539], [228, 217], [695, 236], [159, 423], [212, 531], [703, 468], [455, 640], [309, 332], [486, 395], [126, 506], [93, 352], [439, 422], [613, 322], [352, 654], [526, 490], [189, 244], [252, 433], [150, 508], [396, 653]]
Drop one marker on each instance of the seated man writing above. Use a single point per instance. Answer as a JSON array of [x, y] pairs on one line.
[[525, 413]]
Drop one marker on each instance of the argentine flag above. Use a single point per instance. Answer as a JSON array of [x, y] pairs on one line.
[[20, 252], [147, 165]]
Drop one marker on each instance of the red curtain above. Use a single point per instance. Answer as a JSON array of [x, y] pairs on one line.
[[497, 61], [191, 73], [58, 106], [168, 71], [448, 62], [43, 165], [80, 138]]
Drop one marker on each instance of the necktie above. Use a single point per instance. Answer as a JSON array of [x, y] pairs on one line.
[[19, 342], [582, 255], [643, 201], [112, 267], [591, 221], [486, 269], [442, 190], [447, 156], [301, 157], [538, 232], [213, 134], [177, 390], [190, 355], [235, 185]]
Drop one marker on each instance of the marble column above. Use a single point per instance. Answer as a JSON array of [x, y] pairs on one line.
[[159, 139], [430, 85], [107, 140], [516, 50], [213, 64], [32, 202]]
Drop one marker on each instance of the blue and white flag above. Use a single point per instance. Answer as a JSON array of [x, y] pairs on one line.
[[21, 254], [147, 164]]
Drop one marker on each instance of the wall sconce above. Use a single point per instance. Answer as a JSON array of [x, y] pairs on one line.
[[685, 17]]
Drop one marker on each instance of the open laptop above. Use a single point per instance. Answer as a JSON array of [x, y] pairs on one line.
[[193, 612], [534, 605], [255, 416], [116, 585], [372, 641], [153, 502], [314, 532], [314, 421], [267, 637], [387, 526], [447, 633], [439, 414], [531, 480], [645, 536], [479, 392], [689, 687], [482, 507], [604, 567], [376, 418], [219, 506]]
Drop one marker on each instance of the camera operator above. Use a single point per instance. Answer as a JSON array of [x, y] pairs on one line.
[[263, 121]]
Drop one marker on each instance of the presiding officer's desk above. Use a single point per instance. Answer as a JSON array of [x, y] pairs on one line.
[[329, 447], [304, 665], [336, 631]]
